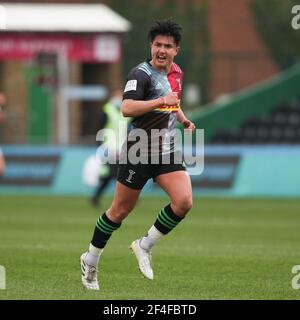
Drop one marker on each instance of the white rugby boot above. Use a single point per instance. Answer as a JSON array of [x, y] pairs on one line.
[[89, 274], [144, 259]]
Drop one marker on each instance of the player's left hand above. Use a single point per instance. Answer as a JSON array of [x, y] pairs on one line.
[[189, 125]]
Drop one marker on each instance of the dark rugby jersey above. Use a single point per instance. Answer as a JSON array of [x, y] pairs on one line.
[[147, 83]]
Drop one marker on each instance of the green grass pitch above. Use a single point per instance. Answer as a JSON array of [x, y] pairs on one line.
[[224, 249]]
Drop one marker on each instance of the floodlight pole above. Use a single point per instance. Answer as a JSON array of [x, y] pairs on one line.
[[63, 105]]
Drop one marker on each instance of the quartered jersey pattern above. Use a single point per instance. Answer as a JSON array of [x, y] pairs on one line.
[[151, 84]]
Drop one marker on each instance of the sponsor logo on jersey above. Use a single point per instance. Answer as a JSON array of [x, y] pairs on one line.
[[130, 85]]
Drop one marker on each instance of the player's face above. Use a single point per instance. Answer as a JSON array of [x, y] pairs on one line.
[[163, 51]]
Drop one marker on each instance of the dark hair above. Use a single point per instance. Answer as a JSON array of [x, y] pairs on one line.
[[165, 28]]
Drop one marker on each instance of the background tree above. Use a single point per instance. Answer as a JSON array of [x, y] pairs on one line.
[[273, 22]]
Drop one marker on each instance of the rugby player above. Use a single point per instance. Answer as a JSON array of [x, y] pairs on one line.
[[151, 97]]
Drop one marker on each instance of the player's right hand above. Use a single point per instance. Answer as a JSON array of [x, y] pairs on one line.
[[172, 99]]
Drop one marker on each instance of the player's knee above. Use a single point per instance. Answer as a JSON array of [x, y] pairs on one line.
[[187, 204], [120, 211], [184, 205]]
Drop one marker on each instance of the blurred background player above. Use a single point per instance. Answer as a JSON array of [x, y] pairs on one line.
[[2, 119], [111, 118]]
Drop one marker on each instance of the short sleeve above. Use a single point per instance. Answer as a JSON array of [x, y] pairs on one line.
[[137, 85]]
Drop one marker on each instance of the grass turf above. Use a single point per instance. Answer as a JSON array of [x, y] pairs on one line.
[[224, 249]]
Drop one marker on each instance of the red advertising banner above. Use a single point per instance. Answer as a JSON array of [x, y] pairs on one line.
[[86, 48]]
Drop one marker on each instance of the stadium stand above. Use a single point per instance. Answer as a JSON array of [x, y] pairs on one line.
[[281, 125], [267, 113]]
